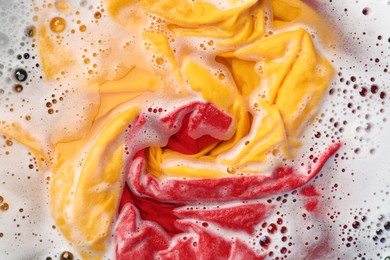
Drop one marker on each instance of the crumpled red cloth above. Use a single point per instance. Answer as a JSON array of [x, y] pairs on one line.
[[155, 221]]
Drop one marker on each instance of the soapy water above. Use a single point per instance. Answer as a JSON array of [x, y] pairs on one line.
[[343, 213]]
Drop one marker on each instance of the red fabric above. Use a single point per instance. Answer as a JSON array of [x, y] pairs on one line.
[[240, 251], [154, 221], [158, 212], [208, 246], [194, 243], [196, 117], [222, 189], [136, 237], [205, 114], [180, 249], [183, 143], [238, 218]]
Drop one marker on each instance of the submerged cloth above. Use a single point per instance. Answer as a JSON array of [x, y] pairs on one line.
[[214, 119]]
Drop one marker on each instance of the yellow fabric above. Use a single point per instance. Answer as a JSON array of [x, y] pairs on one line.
[[294, 76], [116, 92], [269, 135], [23, 137], [154, 158], [201, 80], [161, 48], [285, 12], [245, 76], [238, 26], [54, 58], [160, 45], [84, 194], [191, 12], [115, 6], [243, 125], [180, 171]]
